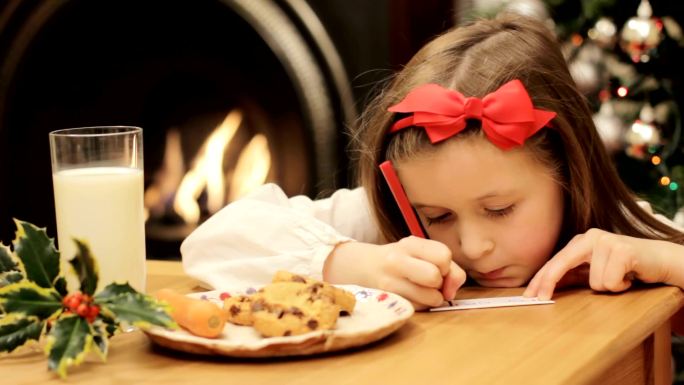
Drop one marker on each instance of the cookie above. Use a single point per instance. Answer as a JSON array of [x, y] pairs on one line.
[[238, 310], [341, 297], [292, 308]]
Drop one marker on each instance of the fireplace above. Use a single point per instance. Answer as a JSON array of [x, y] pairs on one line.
[[230, 94]]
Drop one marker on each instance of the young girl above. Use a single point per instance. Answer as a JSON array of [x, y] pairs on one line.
[[499, 158]]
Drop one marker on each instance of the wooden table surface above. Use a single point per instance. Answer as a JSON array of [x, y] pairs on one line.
[[583, 338]]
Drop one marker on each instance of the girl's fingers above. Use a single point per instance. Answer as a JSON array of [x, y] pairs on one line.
[[571, 256], [416, 270], [578, 276], [428, 250], [532, 288], [421, 297], [599, 263], [620, 264], [535, 283], [453, 281]]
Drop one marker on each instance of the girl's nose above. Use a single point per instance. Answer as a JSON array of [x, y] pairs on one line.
[[475, 245]]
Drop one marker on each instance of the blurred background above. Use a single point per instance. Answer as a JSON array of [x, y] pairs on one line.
[[296, 74]]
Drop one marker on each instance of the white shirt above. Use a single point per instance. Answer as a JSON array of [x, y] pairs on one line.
[[246, 242]]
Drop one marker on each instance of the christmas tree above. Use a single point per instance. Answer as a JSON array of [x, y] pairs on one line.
[[626, 57]]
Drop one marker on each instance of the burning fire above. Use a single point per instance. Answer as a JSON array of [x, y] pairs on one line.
[[251, 168], [207, 172]]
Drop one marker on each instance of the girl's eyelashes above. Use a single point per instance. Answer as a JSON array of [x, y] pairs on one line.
[[499, 213], [438, 219], [490, 213]]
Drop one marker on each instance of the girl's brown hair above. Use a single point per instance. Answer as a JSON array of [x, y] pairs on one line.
[[475, 60]]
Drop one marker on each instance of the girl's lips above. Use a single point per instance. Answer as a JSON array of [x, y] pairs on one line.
[[494, 274]]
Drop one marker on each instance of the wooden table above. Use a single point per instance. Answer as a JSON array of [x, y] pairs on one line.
[[584, 338]]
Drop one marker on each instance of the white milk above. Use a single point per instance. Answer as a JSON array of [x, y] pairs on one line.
[[103, 206]]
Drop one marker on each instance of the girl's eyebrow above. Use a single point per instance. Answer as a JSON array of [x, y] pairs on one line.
[[491, 194], [422, 206], [496, 194]]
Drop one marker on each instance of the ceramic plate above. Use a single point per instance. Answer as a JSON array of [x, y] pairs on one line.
[[376, 315]]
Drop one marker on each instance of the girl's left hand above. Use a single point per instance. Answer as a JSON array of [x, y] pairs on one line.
[[614, 261]]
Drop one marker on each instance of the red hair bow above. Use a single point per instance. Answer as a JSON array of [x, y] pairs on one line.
[[507, 114]]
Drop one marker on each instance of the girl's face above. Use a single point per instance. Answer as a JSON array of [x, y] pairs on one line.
[[500, 212]]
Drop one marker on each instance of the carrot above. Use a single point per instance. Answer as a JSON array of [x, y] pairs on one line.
[[199, 317]]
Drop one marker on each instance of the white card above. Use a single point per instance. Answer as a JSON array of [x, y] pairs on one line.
[[480, 303]]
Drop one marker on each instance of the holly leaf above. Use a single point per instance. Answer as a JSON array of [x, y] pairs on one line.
[[16, 331], [28, 299], [113, 290], [68, 343], [100, 339], [111, 325], [37, 253], [9, 277], [136, 309], [85, 266], [61, 286], [7, 262]]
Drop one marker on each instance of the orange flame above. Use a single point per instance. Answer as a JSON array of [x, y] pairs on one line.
[[207, 171], [251, 168]]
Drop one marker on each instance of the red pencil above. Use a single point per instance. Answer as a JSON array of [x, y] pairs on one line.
[[400, 197]]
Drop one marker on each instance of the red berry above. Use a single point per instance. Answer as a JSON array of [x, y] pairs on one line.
[[82, 310], [72, 302], [93, 311]]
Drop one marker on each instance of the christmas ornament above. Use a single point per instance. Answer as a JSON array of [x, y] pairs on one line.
[[532, 8], [643, 134], [641, 34], [588, 69], [586, 76], [672, 28], [603, 33], [610, 127]]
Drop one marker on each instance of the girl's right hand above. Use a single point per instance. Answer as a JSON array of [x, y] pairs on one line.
[[420, 270]]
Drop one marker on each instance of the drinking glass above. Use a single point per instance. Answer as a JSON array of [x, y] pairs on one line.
[[97, 174]]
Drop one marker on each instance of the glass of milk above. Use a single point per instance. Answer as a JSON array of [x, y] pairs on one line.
[[97, 174]]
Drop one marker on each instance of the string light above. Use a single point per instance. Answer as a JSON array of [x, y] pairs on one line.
[[655, 160], [622, 91], [665, 180], [674, 186], [576, 39]]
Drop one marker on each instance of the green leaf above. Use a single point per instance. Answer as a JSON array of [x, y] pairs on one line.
[[68, 343], [111, 326], [114, 290], [100, 339], [61, 286], [85, 266], [137, 309], [7, 262], [9, 277], [37, 253], [16, 331], [29, 299]]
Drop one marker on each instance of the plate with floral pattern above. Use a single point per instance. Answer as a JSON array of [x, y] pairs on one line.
[[376, 315]]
